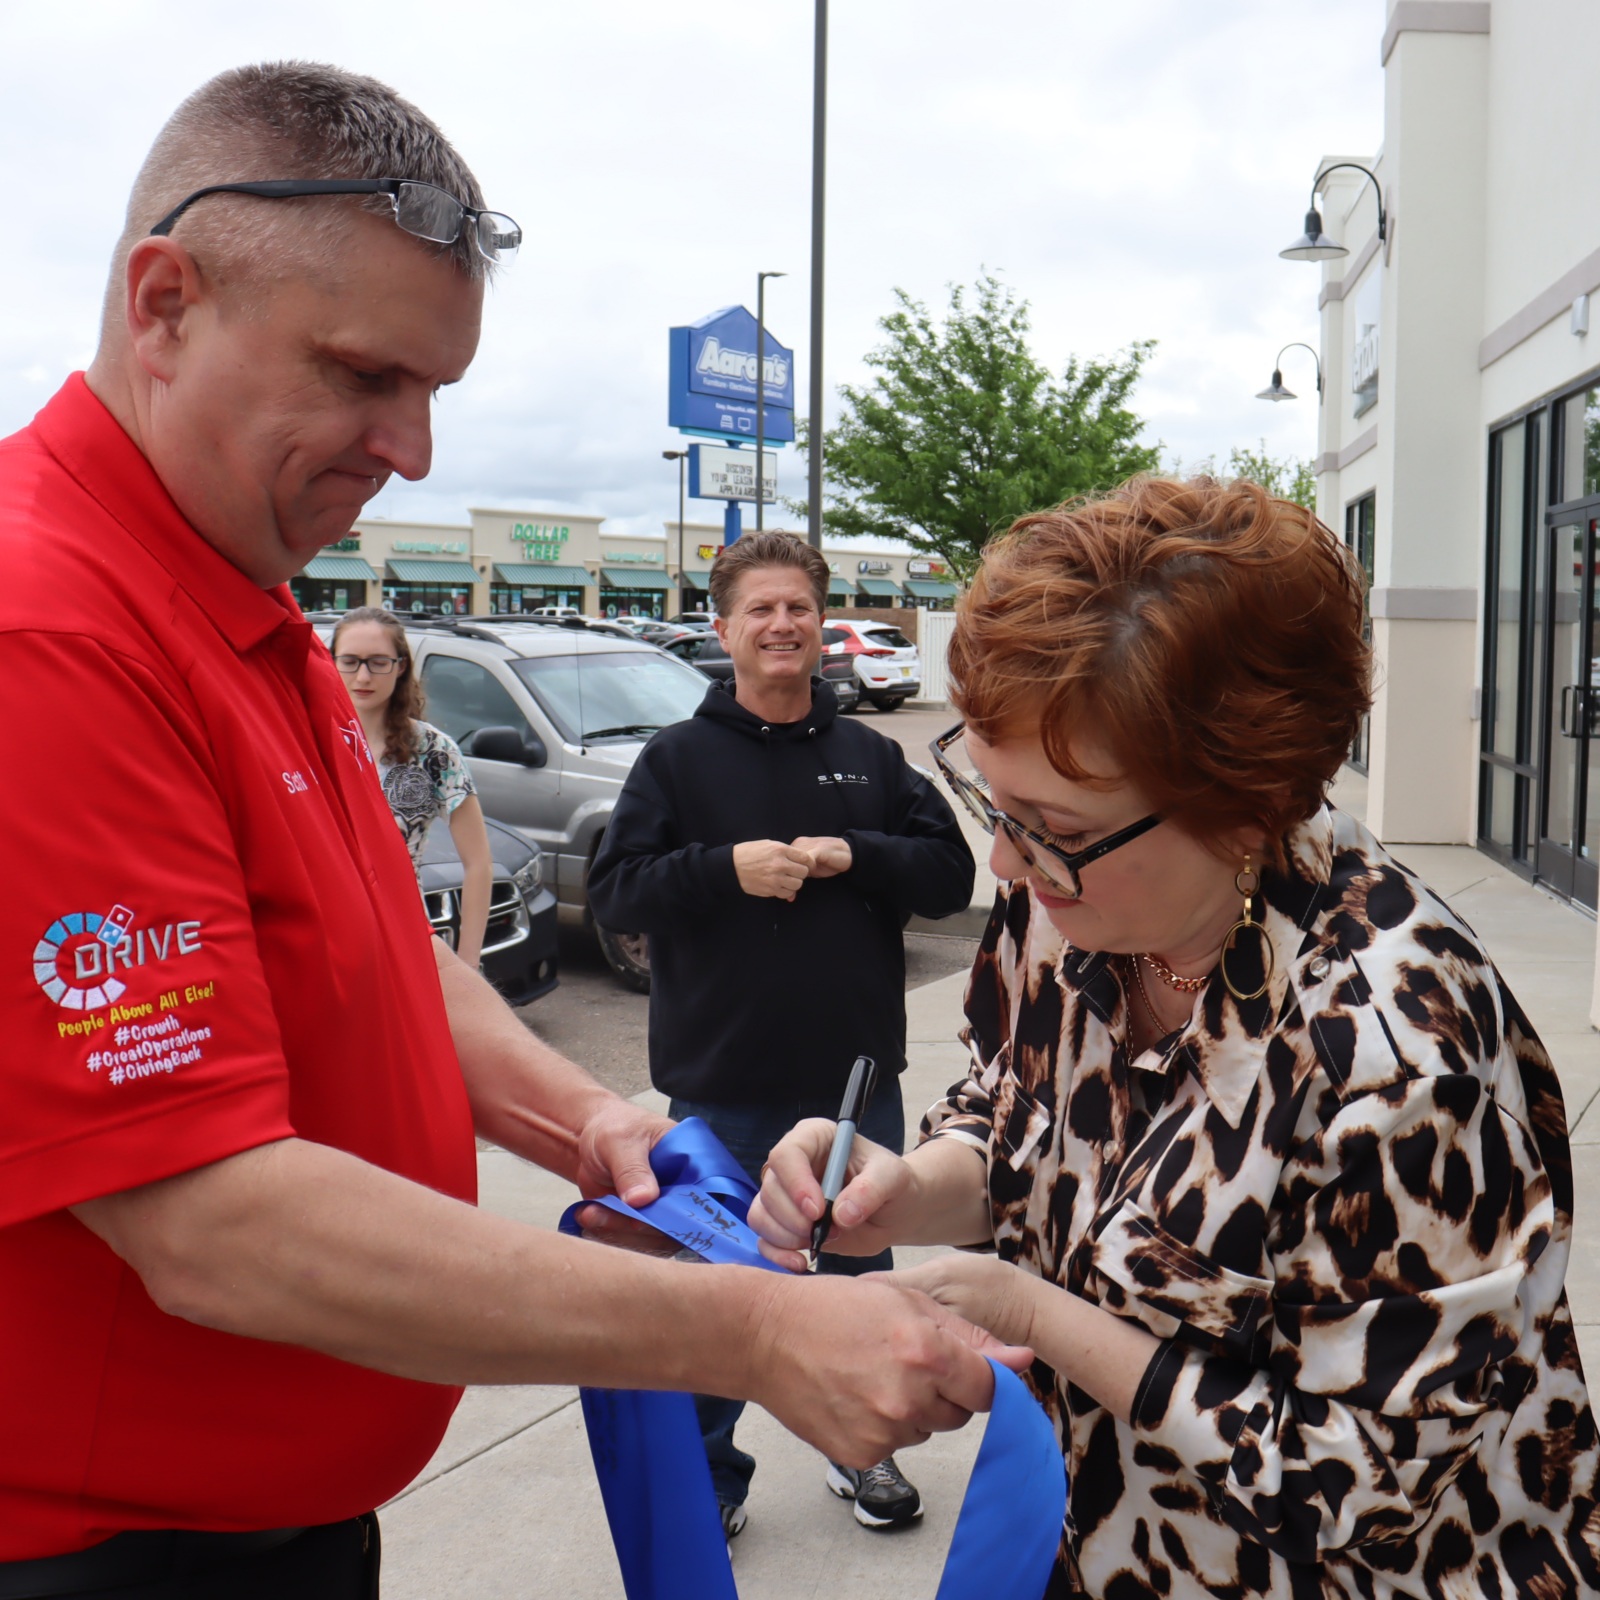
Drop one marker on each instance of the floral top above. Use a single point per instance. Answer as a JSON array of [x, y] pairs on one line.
[[430, 785], [1346, 1210]]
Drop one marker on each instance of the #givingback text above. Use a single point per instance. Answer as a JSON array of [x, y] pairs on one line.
[[143, 1051]]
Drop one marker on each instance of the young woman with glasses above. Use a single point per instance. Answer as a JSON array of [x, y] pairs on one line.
[[424, 776], [1271, 1169]]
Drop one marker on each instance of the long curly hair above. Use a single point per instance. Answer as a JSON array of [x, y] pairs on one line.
[[408, 702]]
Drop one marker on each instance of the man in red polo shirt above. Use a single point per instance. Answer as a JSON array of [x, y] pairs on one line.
[[240, 1268]]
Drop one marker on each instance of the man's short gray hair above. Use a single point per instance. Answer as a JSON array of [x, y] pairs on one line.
[[285, 119]]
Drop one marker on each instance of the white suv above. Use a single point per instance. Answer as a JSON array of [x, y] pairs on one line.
[[888, 668]]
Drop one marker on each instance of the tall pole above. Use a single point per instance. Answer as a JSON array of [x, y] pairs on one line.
[[761, 388], [680, 456], [819, 151]]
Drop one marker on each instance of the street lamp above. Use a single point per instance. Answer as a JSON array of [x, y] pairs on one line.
[[761, 386], [680, 456], [819, 166], [1275, 390], [1314, 244]]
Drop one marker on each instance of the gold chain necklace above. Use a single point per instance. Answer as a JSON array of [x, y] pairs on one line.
[[1162, 1030], [1171, 978]]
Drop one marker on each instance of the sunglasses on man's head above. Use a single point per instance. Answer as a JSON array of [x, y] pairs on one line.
[[1059, 868], [422, 209]]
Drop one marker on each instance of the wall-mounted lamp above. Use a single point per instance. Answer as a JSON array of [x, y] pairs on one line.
[[1314, 244], [1275, 390]]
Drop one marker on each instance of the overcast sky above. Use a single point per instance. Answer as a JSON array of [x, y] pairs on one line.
[[1130, 169]]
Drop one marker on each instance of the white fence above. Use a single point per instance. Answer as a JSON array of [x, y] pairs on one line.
[[934, 629]]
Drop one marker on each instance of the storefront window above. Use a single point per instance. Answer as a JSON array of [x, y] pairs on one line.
[[1361, 534], [1513, 628], [427, 599], [633, 603], [317, 594], [510, 600], [1580, 445]]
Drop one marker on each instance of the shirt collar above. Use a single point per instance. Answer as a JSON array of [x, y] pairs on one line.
[[1225, 1046], [90, 444]]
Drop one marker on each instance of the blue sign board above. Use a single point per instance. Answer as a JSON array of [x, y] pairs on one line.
[[713, 379]]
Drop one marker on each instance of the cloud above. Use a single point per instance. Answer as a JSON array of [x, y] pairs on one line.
[[1130, 170]]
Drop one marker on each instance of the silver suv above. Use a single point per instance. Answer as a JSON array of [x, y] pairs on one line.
[[550, 717]]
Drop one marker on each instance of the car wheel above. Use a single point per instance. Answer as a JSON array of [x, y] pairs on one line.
[[887, 702], [628, 955]]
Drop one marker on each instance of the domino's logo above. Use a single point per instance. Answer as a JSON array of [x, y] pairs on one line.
[[75, 961]]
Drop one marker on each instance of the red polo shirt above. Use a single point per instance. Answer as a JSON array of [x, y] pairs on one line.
[[211, 940]]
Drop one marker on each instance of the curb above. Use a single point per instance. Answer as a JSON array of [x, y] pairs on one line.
[[968, 924]]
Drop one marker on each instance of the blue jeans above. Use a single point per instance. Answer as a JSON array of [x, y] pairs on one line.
[[749, 1133]]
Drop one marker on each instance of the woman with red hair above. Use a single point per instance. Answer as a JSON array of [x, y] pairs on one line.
[[1273, 1168]]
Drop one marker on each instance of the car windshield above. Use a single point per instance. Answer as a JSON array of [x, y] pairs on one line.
[[885, 636], [625, 694]]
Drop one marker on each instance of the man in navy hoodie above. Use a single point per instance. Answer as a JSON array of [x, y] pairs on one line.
[[773, 853]]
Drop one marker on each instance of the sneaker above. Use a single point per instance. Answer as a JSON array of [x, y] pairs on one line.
[[733, 1520], [883, 1497]]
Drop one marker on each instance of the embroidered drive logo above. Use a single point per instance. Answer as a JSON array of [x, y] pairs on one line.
[[355, 741], [74, 963]]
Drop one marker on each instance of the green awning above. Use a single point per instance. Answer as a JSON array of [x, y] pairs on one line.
[[636, 578], [879, 586], [698, 572], [930, 589], [431, 572], [838, 585], [340, 569], [533, 574]]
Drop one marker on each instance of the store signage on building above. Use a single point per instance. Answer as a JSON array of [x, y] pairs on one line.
[[712, 383], [708, 552], [352, 543], [540, 541], [926, 567], [1368, 312], [429, 547], [612, 558], [720, 472], [874, 569]]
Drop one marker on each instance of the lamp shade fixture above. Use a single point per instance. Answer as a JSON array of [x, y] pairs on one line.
[[1314, 244]]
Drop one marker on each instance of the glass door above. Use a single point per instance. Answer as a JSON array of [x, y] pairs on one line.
[[1569, 844]]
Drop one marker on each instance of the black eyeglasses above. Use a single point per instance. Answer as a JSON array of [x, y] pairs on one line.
[[378, 666], [1059, 868], [420, 208]]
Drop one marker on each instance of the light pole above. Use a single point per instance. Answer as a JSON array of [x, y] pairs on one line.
[[680, 456], [761, 388], [819, 151]]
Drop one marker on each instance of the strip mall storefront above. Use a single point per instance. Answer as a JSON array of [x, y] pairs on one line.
[[1459, 431]]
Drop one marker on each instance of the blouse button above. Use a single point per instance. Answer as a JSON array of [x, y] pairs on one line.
[[1320, 967]]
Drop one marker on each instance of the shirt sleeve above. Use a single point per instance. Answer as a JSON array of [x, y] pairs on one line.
[[447, 770], [644, 879], [921, 861], [1377, 1384], [141, 1040]]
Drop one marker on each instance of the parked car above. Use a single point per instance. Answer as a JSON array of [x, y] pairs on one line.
[[885, 662], [550, 718], [556, 611], [692, 619], [705, 653], [662, 634], [519, 940]]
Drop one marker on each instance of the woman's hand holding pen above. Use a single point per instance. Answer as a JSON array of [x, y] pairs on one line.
[[880, 1186]]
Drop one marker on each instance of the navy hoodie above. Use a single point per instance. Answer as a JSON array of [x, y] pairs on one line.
[[756, 1000]]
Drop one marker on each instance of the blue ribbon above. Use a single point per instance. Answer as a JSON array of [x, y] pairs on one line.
[[652, 1467]]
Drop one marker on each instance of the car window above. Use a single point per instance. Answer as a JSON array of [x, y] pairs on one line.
[[685, 649], [617, 695], [835, 635], [889, 636], [463, 697]]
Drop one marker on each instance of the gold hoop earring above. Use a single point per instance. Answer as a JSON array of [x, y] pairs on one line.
[[1248, 882]]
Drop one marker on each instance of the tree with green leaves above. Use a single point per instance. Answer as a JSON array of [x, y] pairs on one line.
[[1289, 479], [962, 430]]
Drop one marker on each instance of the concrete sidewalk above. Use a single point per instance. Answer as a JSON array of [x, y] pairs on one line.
[[509, 1507]]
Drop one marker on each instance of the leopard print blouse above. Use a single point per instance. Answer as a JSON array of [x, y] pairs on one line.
[[1345, 1209]]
